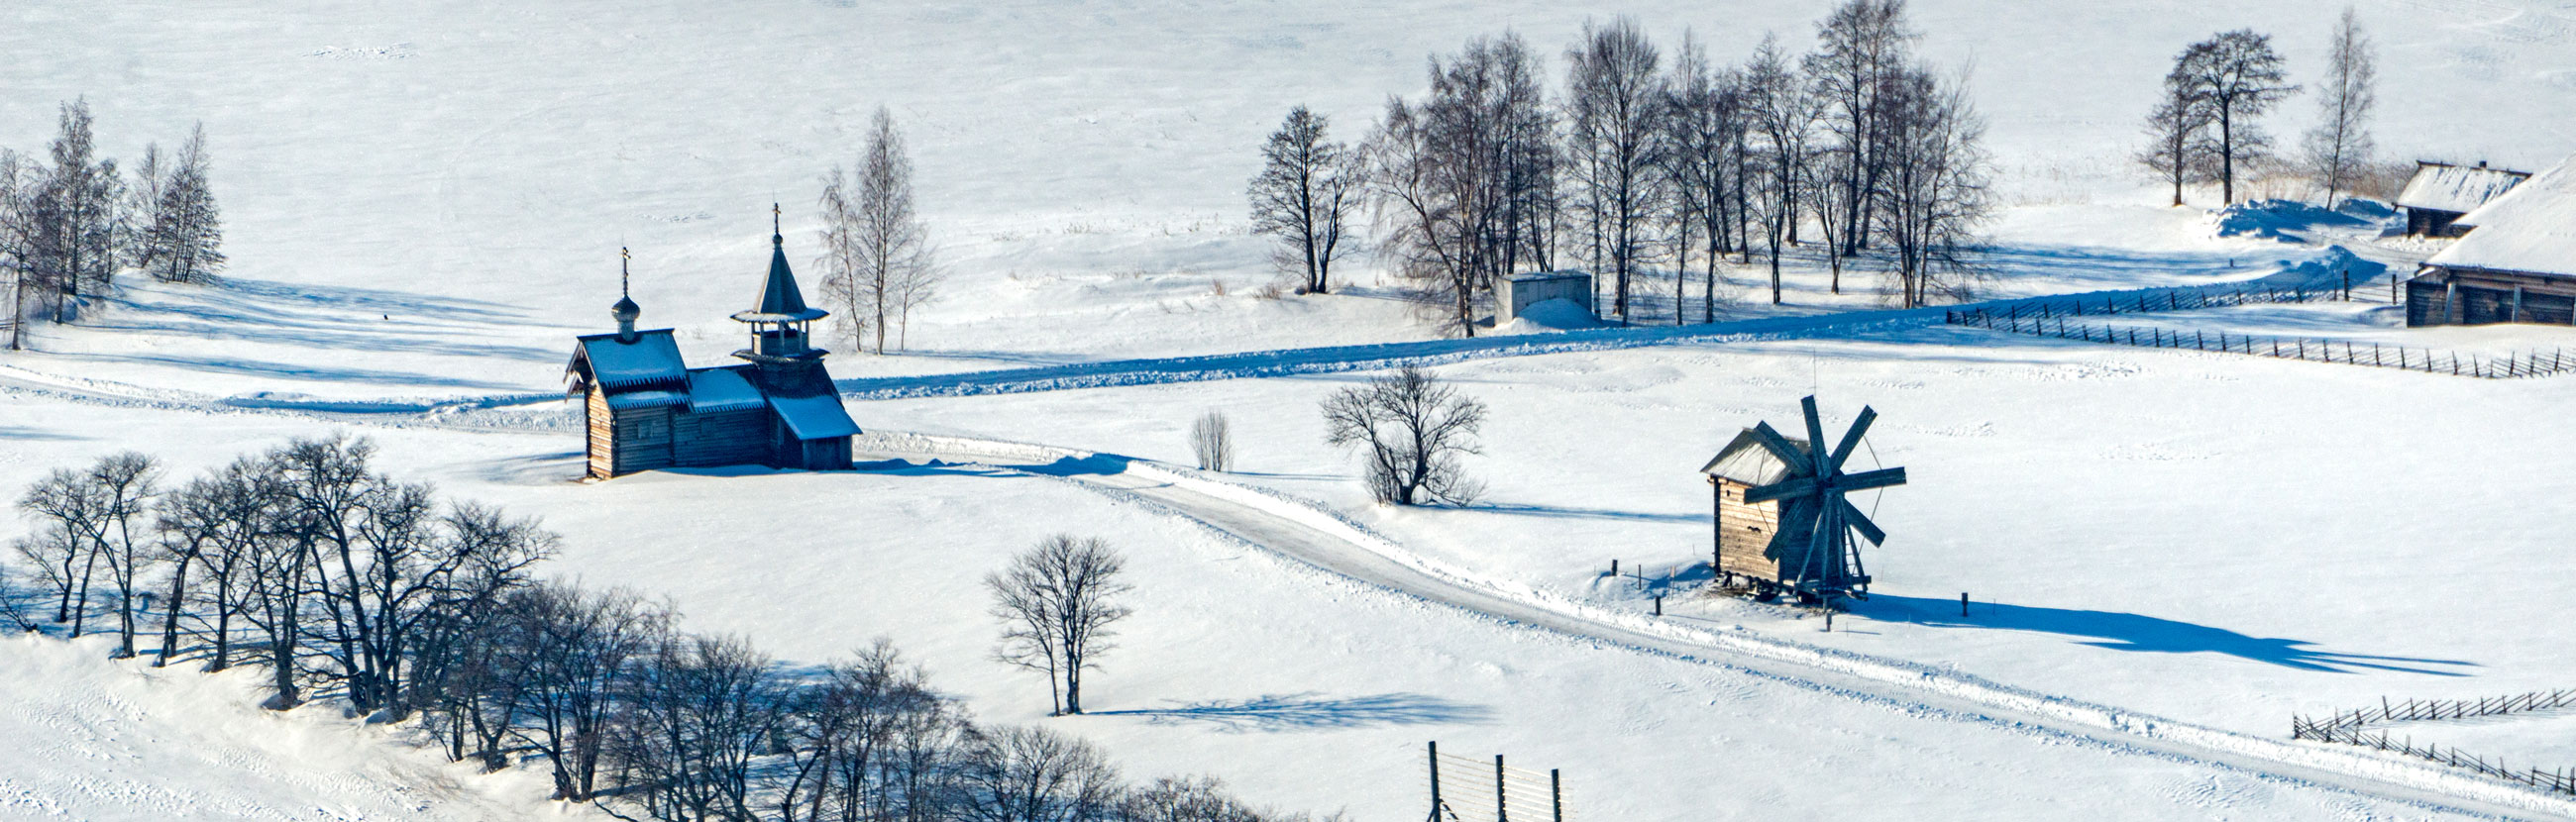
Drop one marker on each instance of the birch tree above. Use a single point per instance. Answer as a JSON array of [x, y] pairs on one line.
[[1614, 106], [877, 249], [2339, 148]]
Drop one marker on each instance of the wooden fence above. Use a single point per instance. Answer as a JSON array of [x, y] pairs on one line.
[[2347, 727], [2046, 321]]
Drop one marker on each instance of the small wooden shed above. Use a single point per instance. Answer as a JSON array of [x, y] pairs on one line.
[[1516, 293], [2440, 194], [1749, 549], [2516, 264]]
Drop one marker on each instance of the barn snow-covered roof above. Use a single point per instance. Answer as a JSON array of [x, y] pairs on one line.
[[652, 359], [1744, 460], [2457, 189], [2530, 229]]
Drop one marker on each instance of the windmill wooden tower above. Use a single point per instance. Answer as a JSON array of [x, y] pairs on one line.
[[1783, 522]]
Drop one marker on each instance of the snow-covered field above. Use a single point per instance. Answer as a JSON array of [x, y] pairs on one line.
[[425, 201]]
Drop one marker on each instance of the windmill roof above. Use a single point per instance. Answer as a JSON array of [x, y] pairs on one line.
[[2445, 187], [650, 359], [2530, 229], [1744, 460], [780, 299]]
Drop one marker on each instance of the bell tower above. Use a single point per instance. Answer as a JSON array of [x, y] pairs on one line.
[[781, 323]]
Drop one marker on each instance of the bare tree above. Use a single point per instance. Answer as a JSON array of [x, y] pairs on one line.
[[2179, 149], [75, 217], [2238, 77], [215, 523], [2339, 148], [17, 237], [1411, 428], [1704, 135], [1462, 181], [1783, 115], [180, 238], [703, 711], [1860, 48], [1200, 799], [578, 651], [127, 482], [1212, 441], [1057, 602], [1937, 187], [877, 252], [1022, 774], [1615, 104], [1304, 197]]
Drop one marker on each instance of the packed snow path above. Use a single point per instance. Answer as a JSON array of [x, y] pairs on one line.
[[1309, 534]]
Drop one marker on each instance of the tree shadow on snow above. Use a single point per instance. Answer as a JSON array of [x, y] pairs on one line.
[[1576, 512], [1287, 712], [2136, 632]]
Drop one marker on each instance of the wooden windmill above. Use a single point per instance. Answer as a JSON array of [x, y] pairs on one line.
[[1783, 522]]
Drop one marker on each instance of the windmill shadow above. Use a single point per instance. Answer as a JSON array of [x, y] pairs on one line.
[[1271, 713], [2140, 633]]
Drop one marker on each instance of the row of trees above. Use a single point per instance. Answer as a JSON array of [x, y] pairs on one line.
[[71, 221], [877, 261], [2206, 128], [343, 582], [1637, 162]]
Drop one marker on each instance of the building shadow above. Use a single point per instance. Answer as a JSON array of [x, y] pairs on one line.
[[1272, 713], [2140, 633]]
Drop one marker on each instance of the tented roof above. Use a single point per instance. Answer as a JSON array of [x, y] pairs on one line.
[[780, 300], [652, 359], [1744, 460], [2531, 229], [2457, 189]]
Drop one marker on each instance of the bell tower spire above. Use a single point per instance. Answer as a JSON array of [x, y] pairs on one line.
[[781, 323]]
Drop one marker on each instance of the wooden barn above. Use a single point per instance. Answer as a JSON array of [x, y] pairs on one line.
[[643, 408], [2440, 194], [2517, 263]]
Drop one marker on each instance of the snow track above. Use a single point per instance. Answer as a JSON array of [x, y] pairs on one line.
[[1317, 537]]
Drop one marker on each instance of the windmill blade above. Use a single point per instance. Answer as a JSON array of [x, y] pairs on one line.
[[1783, 489], [1780, 446], [1860, 522], [1866, 480], [1824, 549], [1815, 437], [1851, 439]]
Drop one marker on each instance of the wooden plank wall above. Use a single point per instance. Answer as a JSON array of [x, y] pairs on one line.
[[721, 437], [1744, 532], [602, 437], [643, 439]]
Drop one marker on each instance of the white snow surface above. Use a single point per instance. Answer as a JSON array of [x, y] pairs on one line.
[[2167, 552]]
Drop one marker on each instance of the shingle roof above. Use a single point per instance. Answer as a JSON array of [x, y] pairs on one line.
[[651, 360], [2530, 229], [1745, 460], [2459, 189]]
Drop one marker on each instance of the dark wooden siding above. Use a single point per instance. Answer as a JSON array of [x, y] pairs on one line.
[[721, 437], [643, 439], [827, 454], [2426, 303]]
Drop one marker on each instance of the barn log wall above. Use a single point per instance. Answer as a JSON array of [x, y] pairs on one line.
[[1744, 533]]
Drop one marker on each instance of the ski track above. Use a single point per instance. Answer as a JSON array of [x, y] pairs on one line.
[[1309, 534]]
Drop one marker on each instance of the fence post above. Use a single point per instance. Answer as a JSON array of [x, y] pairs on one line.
[[1435, 781], [2347, 285], [2392, 289], [1502, 800]]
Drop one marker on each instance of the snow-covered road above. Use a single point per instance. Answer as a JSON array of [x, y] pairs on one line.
[[1309, 534]]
